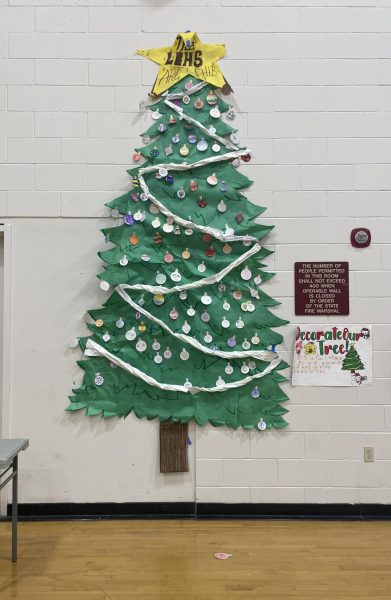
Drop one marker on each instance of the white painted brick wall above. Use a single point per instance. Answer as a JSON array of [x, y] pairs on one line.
[[313, 92]]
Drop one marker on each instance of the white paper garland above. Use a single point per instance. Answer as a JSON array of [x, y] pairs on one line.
[[259, 354], [159, 289], [94, 349]]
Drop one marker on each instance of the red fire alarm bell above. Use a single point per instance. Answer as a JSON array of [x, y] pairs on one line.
[[360, 237]]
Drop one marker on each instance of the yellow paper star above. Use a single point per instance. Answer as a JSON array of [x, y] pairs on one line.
[[187, 56]]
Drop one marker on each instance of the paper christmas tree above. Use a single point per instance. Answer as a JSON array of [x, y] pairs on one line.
[[187, 329]]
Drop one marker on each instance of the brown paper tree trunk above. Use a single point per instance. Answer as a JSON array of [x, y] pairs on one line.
[[173, 447]]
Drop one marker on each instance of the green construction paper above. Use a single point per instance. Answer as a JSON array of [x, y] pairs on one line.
[[121, 392]]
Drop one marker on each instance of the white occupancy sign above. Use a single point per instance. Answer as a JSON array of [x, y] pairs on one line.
[[332, 355]]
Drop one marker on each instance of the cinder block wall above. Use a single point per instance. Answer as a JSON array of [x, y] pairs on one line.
[[313, 87]]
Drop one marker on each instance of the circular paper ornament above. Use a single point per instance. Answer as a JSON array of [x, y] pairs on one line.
[[234, 138], [198, 104], [188, 384], [138, 216], [184, 150], [215, 113], [202, 145], [184, 355], [157, 358], [202, 202], [145, 257], [257, 280], [128, 219], [255, 340], [229, 369], [99, 379], [250, 306], [255, 392], [168, 227], [237, 294], [156, 115], [246, 344], [104, 285], [174, 314], [216, 147], [186, 99], [222, 287], [239, 323], [186, 254], [99, 322], [144, 197], [181, 193], [183, 295], [158, 299], [120, 323], [190, 311], [246, 274], [252, 365], [244, 306], [176, 276], [141, 345], [186, 328], [226, 305], [160, 278], [244, 368], [227, 249], [130, 334], [192, 138], [123, 261], [201, 267], [106, 337], [212, 179], [231, 341], [236, 162], [189, 231], [114, 213], [167, 353], [225, 323], [222, 207], [146, 139], [163, 172], [261, 425], [211, 98], [168, 258], [156, 223], [205, 317], [208, 338], [210, 252], [212, 130], [206, 299], [207, 238], [142, 327], [220, 382], [193, 186]]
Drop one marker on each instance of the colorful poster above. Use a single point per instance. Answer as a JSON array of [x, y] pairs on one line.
[[332, 355]]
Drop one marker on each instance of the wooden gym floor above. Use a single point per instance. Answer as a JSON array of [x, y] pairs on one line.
[[174, 560]]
